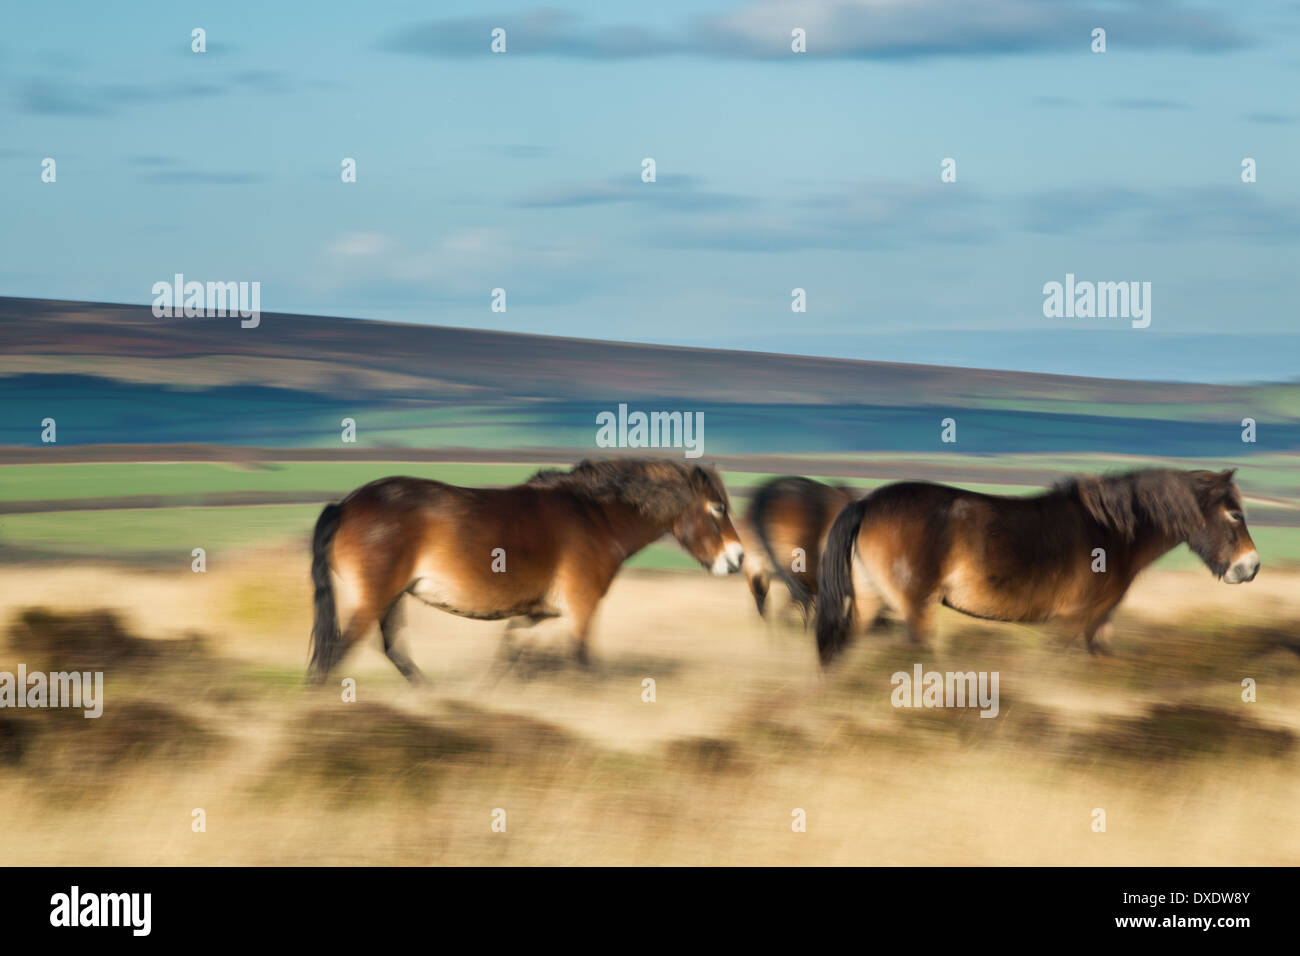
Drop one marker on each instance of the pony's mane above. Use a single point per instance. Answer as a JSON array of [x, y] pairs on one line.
[[659, 488], [1168, 499]]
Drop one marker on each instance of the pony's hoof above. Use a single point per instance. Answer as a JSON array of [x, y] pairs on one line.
[[1099, 646]]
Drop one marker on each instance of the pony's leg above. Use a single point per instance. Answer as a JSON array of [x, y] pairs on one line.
[[919, 615], [1097, 635], [364, 600], [912, 588], [582, 608], [355, 616], [869, 603], [869, 607], [394, 646], [880, 620], [580, 634], [509, 651], [359, 624]]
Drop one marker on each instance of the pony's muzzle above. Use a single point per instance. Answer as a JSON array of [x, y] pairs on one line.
[[1243, 569], [729, 559]]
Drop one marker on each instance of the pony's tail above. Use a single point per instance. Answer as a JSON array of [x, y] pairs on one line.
[[758, 518], [835, 603], [325, 639], [756, 573]]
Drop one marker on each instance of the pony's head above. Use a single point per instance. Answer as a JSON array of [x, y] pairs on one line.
[[704, 527], [1202, 508], [1222, 541], [672, 495]]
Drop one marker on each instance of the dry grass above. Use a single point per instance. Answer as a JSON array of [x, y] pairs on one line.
[[205, 708]]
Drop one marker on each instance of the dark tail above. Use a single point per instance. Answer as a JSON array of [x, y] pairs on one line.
[[758, 518], [326, 643], [758, 588], [835, 583]]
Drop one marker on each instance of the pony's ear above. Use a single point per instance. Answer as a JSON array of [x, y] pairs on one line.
[[705, 479], [1212, 485]]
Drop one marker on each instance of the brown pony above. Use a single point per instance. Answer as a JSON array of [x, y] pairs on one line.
[[789, 519], [538, 550], [914, 545]]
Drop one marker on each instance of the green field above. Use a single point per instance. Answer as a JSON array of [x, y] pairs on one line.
[[1273, 475], [165, 536], [162, 536], [190, 480], [115, 480]]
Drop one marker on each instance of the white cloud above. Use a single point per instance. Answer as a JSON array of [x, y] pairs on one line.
[[360, 245], [460, 262]]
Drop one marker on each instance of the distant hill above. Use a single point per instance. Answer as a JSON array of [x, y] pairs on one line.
[[115, 374]]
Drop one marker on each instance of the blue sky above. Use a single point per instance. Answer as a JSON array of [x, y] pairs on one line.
[[775, 170]]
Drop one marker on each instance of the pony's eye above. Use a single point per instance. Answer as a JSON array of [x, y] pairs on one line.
[[717, 510], [1236, 516]]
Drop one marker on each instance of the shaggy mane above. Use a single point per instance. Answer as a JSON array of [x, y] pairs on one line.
[[1170, 500], [660, 488]]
